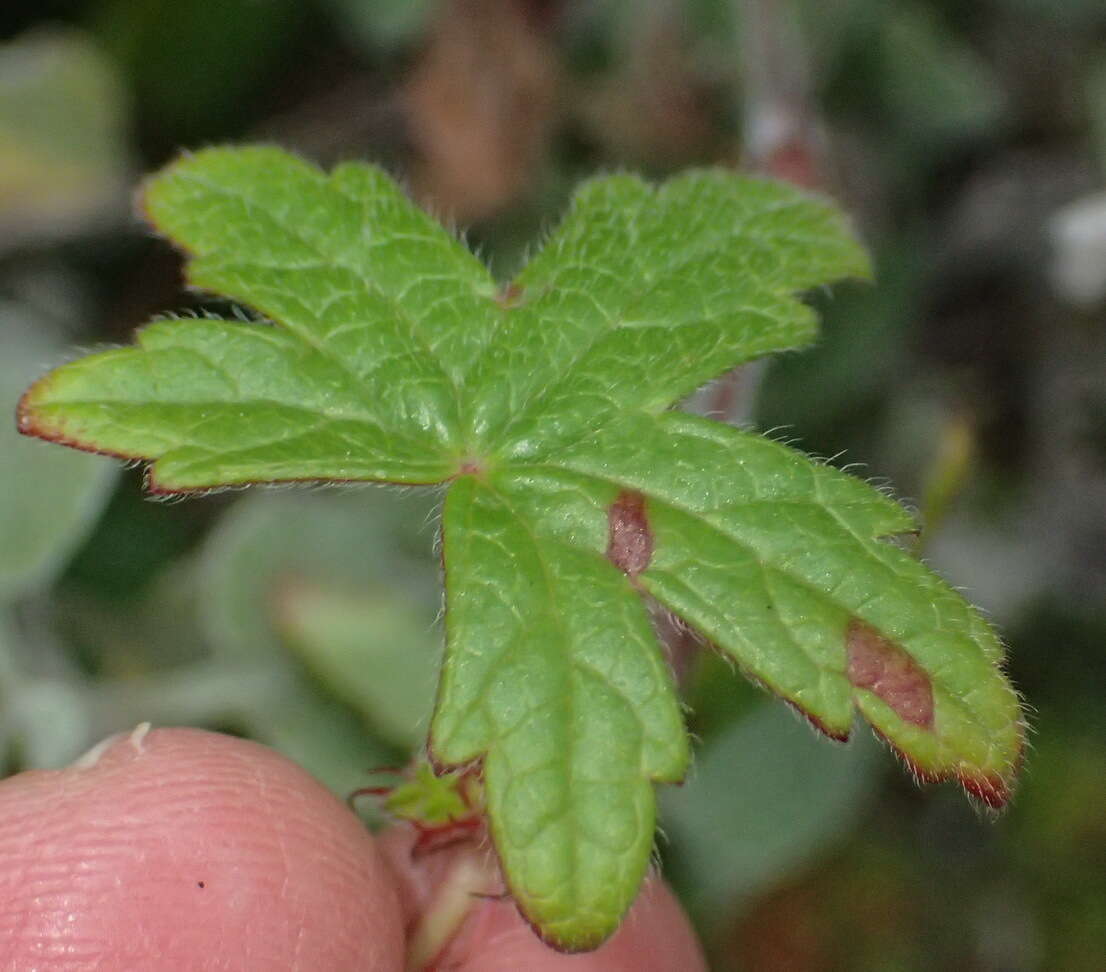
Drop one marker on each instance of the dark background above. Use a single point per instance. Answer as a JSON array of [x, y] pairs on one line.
[[969, 143]]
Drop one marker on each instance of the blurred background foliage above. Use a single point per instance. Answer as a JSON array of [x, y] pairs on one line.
[[969, 143]]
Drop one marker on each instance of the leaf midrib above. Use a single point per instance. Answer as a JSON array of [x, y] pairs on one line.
[[567, 703]]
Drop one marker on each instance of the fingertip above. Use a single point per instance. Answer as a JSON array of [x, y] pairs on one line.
[[655, 936], [194, 850]]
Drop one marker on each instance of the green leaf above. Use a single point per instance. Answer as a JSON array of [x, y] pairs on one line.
[[47, 712], [643, 295], [554, 674], [373, 651], [382, 26], [64, 167], [264, 556], [357, 384], [346, 540], [388, 354], [797, 797], [937, 88], [433, 799], [49, 500], [212, 60]]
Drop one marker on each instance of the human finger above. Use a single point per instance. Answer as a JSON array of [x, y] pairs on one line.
[[456, 919], [183, 849]]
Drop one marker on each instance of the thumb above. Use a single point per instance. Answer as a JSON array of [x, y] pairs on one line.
[[182, 849], [453, 921]]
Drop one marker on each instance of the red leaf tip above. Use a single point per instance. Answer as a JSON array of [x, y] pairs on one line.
[[990, 788]]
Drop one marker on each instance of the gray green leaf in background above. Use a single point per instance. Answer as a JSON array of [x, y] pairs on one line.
[[386, 352], [384, 25], [64, 167], [49, 502], [45, 715], [796, 796], [211, 57], [305, 620], [371, 649], [938, 88], [268, 578], [49, 499]]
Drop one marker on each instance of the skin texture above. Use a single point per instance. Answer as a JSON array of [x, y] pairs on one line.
[[102, 864], [654, 937], [181, 849]]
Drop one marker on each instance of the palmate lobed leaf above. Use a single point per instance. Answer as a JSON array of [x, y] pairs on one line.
[[572, 489]]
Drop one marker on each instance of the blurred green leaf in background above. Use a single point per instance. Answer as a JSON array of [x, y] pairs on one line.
[[48, 504], [65, 163], [766, 796], [958, 135], [49, 499]]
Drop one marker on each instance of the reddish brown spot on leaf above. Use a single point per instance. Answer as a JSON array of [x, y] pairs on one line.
[[884, 668], [629, 539]]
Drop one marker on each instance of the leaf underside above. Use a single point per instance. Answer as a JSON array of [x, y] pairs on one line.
[[384, 351]]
